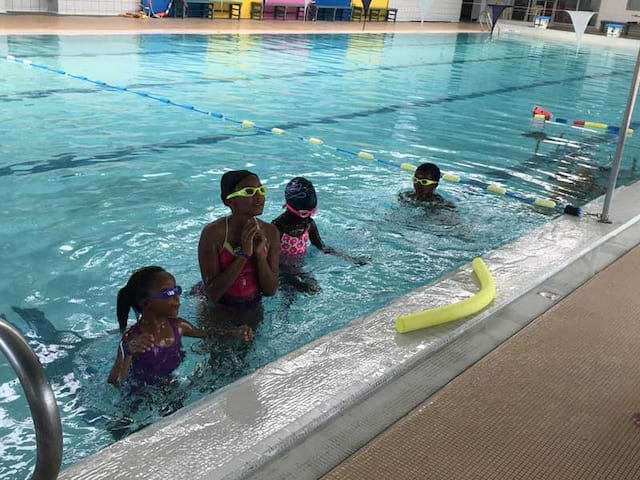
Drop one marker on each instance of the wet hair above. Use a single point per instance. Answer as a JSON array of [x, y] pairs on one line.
[[300, 194], [134, 293], [431, 170], [230, 181]]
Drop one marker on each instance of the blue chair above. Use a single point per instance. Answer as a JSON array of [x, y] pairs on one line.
[[331, 10]]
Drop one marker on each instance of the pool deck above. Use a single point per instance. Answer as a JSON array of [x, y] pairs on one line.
[[556, 401], [25, 24]]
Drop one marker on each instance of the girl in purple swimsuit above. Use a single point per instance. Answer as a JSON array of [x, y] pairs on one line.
[[151, 350], [298, 229]]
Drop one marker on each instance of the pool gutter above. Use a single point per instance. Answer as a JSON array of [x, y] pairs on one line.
[[302, 414], [512, 28]]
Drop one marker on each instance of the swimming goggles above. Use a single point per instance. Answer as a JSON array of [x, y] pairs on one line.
[[167, 293], [248, 192], [301, 213], [424, 181]]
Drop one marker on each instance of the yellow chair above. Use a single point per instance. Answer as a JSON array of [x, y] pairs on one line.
[[377, 10]]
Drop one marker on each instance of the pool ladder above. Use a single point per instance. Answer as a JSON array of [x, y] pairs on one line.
[[485, 21], [42, 402]]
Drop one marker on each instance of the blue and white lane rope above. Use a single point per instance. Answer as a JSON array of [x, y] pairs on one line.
[[492, 188], [219, 116]]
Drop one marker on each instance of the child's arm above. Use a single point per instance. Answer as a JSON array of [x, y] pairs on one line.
[[267, 253], [120, 367], [122, 364], [243, 331], [316, 241], [126, 348], [189, 330]]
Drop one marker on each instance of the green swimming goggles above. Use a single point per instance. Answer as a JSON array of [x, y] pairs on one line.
[[248, 192], [424, 181]]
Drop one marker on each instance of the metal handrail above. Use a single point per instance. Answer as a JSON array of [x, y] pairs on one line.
[[42, 402], [484, 19]]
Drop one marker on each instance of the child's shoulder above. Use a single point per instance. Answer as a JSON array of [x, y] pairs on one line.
[[269, 228], [215, 228], [279, 218], [406, 197]]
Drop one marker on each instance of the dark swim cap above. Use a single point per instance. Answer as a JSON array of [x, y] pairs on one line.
[[230, 181], [300, 194]]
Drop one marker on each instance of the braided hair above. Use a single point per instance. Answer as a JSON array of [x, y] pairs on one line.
[[134, 293]]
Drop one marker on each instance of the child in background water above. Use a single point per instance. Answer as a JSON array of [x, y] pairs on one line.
[[151, 350], [297, 228], [425, 181]]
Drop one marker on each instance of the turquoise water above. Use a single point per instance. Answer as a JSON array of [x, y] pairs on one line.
[[96, 182]]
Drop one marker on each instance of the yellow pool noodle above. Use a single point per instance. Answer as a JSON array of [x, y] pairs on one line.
[[453, 311], [315, 141], [543, 202], [277, 131], [497, 189], [248, 124]]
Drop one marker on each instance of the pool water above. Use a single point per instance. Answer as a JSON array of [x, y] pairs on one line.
[[96, 182]]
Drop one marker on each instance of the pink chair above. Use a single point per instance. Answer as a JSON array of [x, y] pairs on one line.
[[293, 9]]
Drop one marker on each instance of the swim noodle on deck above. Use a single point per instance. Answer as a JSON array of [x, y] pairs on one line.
[[453, 311]]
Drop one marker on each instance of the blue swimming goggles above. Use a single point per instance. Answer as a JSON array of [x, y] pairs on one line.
[[167, 293]]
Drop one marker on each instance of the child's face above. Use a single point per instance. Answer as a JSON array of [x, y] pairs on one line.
[[164, 297], [418, 184], [251, 206]]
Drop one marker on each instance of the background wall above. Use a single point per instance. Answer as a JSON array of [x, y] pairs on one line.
[[617, 10], [439, 11], [71, 7]]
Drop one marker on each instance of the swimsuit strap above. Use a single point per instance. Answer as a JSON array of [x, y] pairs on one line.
[[176, 333], [226, 243]]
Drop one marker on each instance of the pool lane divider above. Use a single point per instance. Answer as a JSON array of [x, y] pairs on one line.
[[499, 190], [249, 124], [543, 115]]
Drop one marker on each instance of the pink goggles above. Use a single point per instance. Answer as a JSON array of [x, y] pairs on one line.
[[301, 213]]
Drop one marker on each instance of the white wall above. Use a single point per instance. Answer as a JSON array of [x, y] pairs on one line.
[[439, 11], [3, 6], [73, 7], [617, 10], [27, 5], [97, 7]]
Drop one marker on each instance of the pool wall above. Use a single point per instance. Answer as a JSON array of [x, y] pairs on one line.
[[302, 414]]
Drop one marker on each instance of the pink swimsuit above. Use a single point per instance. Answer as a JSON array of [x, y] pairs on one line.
[[246, 285], [294, 245]]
